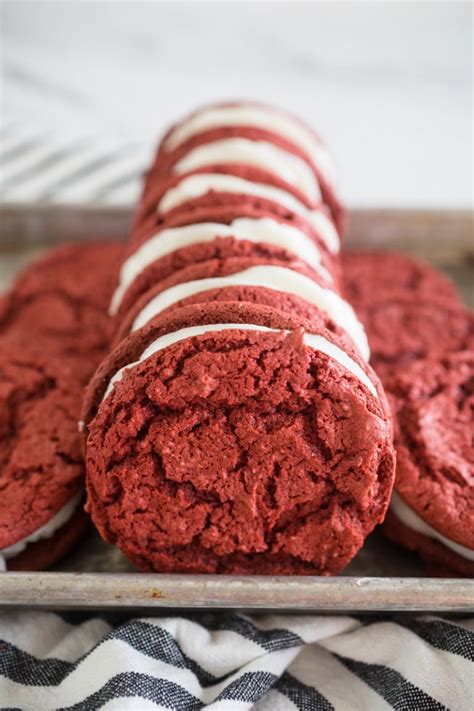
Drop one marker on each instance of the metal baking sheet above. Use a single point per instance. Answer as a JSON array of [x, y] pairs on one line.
[[382, 577]]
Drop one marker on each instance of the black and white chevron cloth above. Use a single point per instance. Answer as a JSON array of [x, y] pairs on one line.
[[50, 167], [235, 662]]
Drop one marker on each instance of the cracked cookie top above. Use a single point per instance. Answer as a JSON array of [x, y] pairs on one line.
[[433, 401], [41, 466], [61, 302]]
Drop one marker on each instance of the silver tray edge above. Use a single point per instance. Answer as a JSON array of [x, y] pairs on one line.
[[254, 593], [444, 232]]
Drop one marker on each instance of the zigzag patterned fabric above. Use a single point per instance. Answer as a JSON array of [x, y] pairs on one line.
[[43, 166], [235, 662]]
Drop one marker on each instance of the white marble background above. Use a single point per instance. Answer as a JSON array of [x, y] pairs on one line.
[[389, 85]]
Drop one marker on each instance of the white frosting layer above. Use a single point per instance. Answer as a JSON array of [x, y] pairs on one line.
[[264, 230], [254, 115], [259, 154], [195, 186], [59, 519], [313, 341], [411, 519], [272, 277]]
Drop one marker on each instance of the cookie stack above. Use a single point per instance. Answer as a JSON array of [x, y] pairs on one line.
[[236, 425]]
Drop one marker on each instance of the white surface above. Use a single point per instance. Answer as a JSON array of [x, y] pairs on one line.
[[389, 85]]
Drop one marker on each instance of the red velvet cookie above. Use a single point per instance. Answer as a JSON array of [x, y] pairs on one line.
[[401, 330], [292, 136], [409, 309], [60, 301], [240, 228], [375, 276], [226, 180], [224, 208], [288, 286], [432, 509], [218, 139], [219, 250], [41, 467], [237, 450]]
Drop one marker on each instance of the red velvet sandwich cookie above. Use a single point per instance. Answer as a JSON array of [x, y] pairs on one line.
[[432, 508], [291, 287], [235, 438], [218, 183], [227, 208], [219, 232], [256, 134], [61, 301], [247, 148], [42, 472]]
